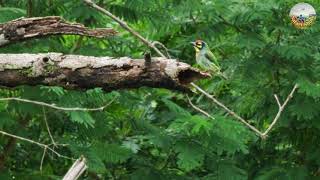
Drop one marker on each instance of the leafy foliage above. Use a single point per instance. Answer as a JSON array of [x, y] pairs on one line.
[[154, 133]]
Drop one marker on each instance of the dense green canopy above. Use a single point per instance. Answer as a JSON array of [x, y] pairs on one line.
[[150, 133]]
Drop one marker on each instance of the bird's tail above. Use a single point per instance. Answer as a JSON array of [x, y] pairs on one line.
[[217, 70]]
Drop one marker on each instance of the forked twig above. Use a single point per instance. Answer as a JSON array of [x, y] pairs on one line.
[[281, 108], [45, 146], [235, 115]]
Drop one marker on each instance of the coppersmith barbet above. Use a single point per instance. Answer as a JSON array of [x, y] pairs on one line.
[[205, 58]]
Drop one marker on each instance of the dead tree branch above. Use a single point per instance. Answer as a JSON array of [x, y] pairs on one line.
[[76, 170], [38, 27], [84, 72]]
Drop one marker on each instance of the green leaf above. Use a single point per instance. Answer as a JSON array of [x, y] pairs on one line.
[[285, 173], [10, 13], [82, 118], [228, 170], [111, 153], [230, 136], [6, 120], [175, 108], [309, 88], [190, 156]]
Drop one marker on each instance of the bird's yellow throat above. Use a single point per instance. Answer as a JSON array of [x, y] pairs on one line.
[[197, 49]]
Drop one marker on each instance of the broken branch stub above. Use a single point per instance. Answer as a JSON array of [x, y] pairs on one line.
[[86, 72], [37, 27]]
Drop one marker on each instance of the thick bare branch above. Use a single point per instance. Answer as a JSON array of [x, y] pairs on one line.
[[84, 72], [37, 27]]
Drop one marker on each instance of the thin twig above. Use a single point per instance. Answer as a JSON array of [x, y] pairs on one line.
[[124, 25], [58, 144], [163, 46], [42, 159], [34, 142], [76, 45], [281, 108], [228, 110], [56, 107], [48, 129], [278, 101], [199, 109]]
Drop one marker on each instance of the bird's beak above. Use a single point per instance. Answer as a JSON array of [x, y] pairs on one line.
[[193, 43]]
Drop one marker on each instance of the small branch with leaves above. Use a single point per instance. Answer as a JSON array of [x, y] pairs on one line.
[[263, 135], [51, 147]]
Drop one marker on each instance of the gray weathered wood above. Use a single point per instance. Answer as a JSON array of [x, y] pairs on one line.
[[85, 72], [76, 170], [38, 27]]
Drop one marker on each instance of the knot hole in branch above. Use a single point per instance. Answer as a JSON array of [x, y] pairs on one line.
[[45, 59]]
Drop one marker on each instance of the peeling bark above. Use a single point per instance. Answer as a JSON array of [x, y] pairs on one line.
[[37, 27], [85, 72]]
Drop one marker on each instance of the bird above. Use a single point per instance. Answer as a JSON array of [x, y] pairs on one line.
[[205, 58]]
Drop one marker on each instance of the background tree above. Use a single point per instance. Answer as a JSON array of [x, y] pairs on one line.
[[154, 133]]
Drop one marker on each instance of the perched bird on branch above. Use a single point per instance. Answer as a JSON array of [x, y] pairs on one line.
[[205, 58]]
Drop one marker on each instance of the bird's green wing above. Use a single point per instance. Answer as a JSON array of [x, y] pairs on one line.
[[209, 55]]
